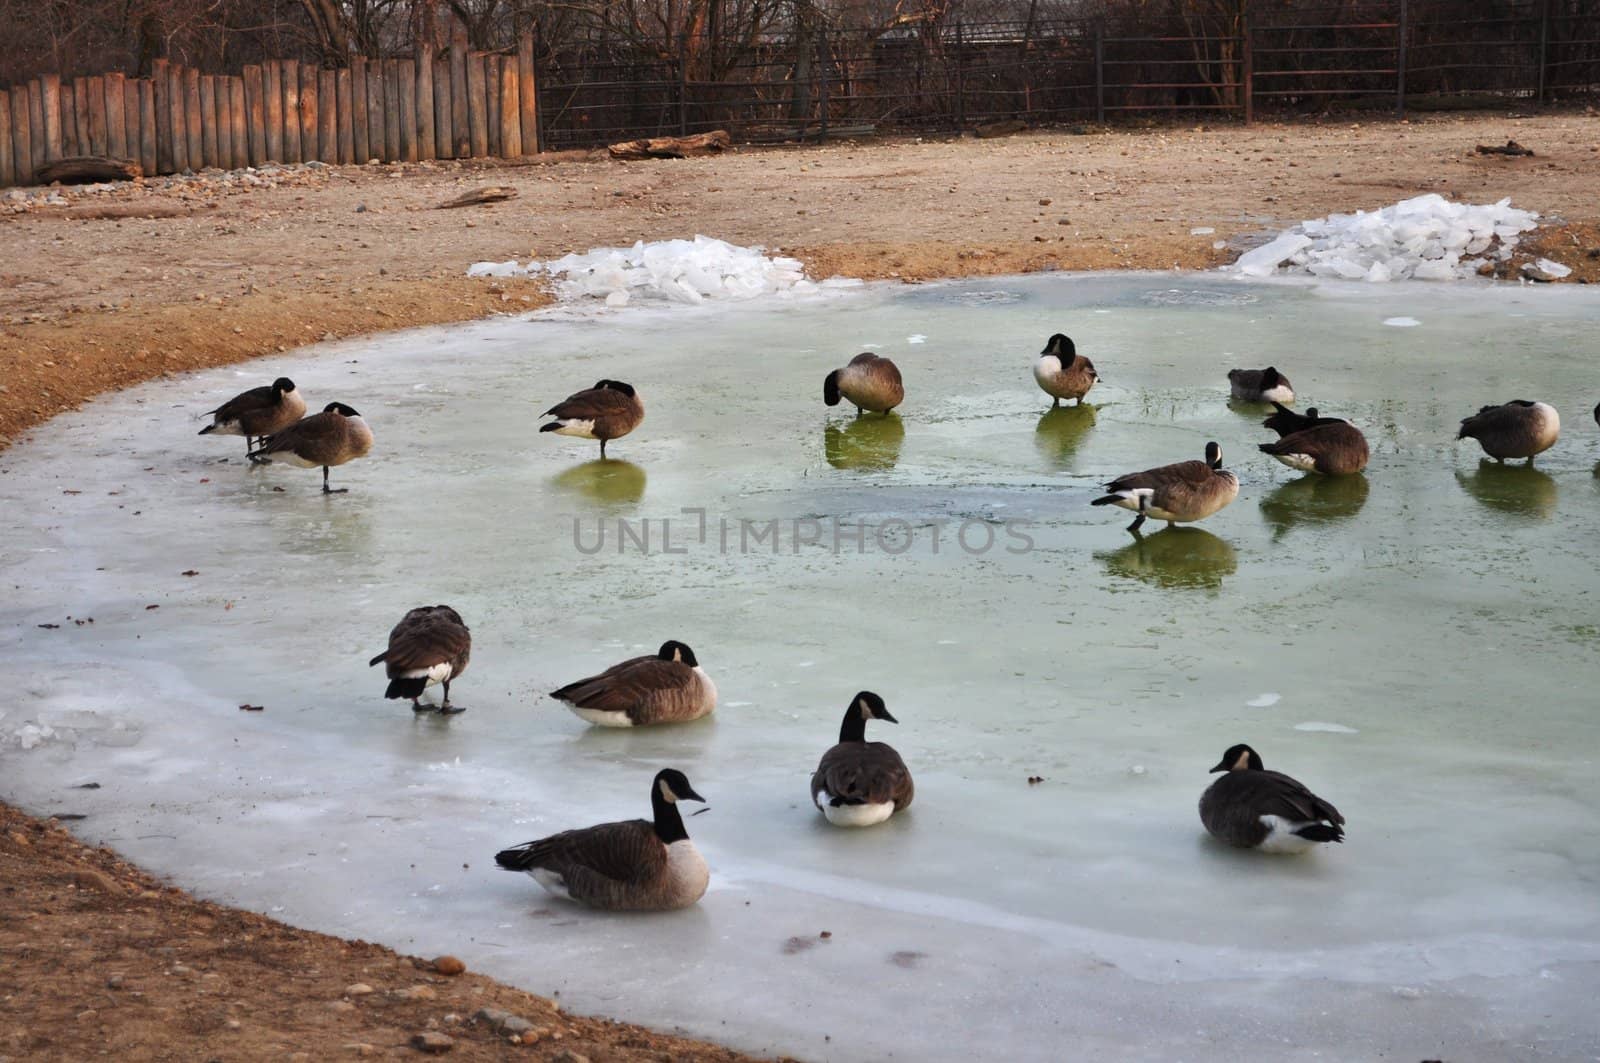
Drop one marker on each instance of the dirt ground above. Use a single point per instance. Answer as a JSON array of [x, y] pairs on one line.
[[108, 288]]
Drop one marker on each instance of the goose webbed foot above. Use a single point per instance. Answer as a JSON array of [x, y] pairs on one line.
[[448, 709], [419, 708]]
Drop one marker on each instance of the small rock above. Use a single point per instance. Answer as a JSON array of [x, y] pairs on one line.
[[114, 982], [567, 1055], [361, 208], [448, 965], [87, 1014], [357, 989], [503, 1022], [94, 880], [340, 1005], [1044, 202], [360, 1048], [416, 992], [430, 1043]]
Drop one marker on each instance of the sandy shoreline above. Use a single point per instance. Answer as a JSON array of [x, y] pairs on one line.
[[113, 289]]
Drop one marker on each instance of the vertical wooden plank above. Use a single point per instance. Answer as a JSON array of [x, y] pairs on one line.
[[491, 83], [426, 141], [22, 149], [160, 89], [406, 72], [175, 116], [460, 109], [309, 104], [360, 135], [477, 107], [327, 116], [239, 117], [50, 103], [99, 137], [255, 104], [115, 88], [36, 124], [391, 110], [375, 126], [272, 99], [347, 149], [222, 120], [80, 115], [8, 166], [130, 119], [191, 116], [148, 156], [289, 72], [444, 144], [208, 120], [510, 109], [69, 120], [527, 95]]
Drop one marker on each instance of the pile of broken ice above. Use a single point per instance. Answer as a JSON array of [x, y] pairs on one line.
[[1426, 238], [683, 271]]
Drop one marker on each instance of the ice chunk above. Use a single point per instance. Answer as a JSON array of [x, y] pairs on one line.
[[1264, 260], [1401, 322], [1551, 268]]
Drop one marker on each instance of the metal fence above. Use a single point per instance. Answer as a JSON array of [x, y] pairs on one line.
[[954, 75]]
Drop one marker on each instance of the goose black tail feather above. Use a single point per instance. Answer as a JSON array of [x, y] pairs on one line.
[[207, 430], [1321, 832], [406, 688], [1108, 500], [830, 389], [518, 858], [380, 657], [551, 427]]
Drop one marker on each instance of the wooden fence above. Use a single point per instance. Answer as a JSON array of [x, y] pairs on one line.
[[456, 105]]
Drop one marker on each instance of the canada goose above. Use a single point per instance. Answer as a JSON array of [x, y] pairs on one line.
[[1253, 808], [859, 783], [1183, 492], [257, 412], [868, 382], [1062, 372], [429, 645], [634, 865], [1517, 429], [607, 411], [1332, 447], [1259, 385], [1285, 421], [332, 437], [670, 687]]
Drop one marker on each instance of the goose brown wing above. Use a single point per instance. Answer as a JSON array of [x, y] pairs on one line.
[[262, 398], [1184, 472], [624, 852], [591, 404], [1276, 794], [863, 773], [627, 686], [426, 637], [311, 438]]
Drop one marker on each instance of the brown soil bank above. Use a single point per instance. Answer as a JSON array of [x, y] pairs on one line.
[[106, 289]]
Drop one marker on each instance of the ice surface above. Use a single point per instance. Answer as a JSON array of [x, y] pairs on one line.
[[1401, 322], [993, 919], [680, 271], [1426, 238]]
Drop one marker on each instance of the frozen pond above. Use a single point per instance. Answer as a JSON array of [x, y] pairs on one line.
[[1418, 645]]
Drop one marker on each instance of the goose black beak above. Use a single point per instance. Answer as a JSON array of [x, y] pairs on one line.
[[885, 716], [1220, 767], [690, 795]]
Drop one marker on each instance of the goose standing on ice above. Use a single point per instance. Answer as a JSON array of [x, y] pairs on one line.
[[429, 645], [859, 783], [1253, 808], [1328, 445], [1517, 429], [640, 865], [1180, 493], [669, 687], [332, 437], [868, 383], [1062, 372], [257, 412], [1259, 385], [607, 411]]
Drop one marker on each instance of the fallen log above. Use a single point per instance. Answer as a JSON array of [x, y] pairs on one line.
[[87, 169], [1000, 129], [1511, 147], [710, 143], [479, 196]]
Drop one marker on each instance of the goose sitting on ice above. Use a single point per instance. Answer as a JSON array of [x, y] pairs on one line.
[[1253, 808], [669, 687], [633, 865], [1259, 385], [859, 783]]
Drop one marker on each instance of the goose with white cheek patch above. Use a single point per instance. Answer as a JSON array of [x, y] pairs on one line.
[[257, 412], [669, 687], [1517, 429], [1252, 808], [1259, 385], [637, 865], [1178, 494], [607, 411], [1062, 372], [332, 437], [860, 783], [429, 645], [868, 382], [1327, 445]]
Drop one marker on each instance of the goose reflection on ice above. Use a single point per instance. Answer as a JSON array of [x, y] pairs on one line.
[[608, 480], [1174, 557], [1062, 430], [866, 443], [1520, 490], [1314, 499]]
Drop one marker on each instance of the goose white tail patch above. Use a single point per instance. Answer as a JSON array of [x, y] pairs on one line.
[[857, 815], [1302, 462], [1278, 394], [573, 427], [1281, 837], [1130, 499], [601, 718], [226, 428], [551, 881], [436, 674]]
